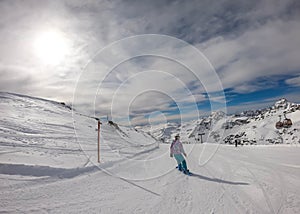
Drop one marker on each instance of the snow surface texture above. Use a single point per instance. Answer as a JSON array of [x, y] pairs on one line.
[[250, 127], [48, 164]]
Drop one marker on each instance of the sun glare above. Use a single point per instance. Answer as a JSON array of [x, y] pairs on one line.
[[51, 47]]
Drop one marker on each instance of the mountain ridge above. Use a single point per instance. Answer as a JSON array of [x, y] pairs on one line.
[[221, 128]]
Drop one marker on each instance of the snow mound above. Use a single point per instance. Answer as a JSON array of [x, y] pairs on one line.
[[36, 132]]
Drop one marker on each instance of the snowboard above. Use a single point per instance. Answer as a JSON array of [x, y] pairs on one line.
[[187, 173]]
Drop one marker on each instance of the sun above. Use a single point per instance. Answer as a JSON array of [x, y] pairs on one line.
[[51, 47]]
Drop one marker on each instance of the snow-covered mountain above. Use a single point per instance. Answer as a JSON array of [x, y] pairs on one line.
[[161, 131], [48, 164], [248, 127]]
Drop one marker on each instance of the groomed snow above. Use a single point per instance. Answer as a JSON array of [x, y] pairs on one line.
[[47, 167]]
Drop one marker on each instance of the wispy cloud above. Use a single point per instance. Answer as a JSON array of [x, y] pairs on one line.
[[252, 45], [295, 81], [267, 51]]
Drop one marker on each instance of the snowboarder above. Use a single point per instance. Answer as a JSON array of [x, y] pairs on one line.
[[177, 150]]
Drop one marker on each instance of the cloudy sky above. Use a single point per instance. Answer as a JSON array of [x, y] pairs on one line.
[[196, 56]]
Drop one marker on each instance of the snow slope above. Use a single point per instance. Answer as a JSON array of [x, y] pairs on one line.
[[47, 165]]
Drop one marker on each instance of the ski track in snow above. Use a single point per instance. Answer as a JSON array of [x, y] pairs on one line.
[[177, 193], [45, 168]]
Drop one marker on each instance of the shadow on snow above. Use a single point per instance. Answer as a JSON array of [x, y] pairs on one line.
[[218, 180]]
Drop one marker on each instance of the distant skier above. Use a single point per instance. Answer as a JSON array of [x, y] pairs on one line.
[[177, 150]]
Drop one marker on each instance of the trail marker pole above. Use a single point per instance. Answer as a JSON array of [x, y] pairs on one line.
[[99, 123]]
